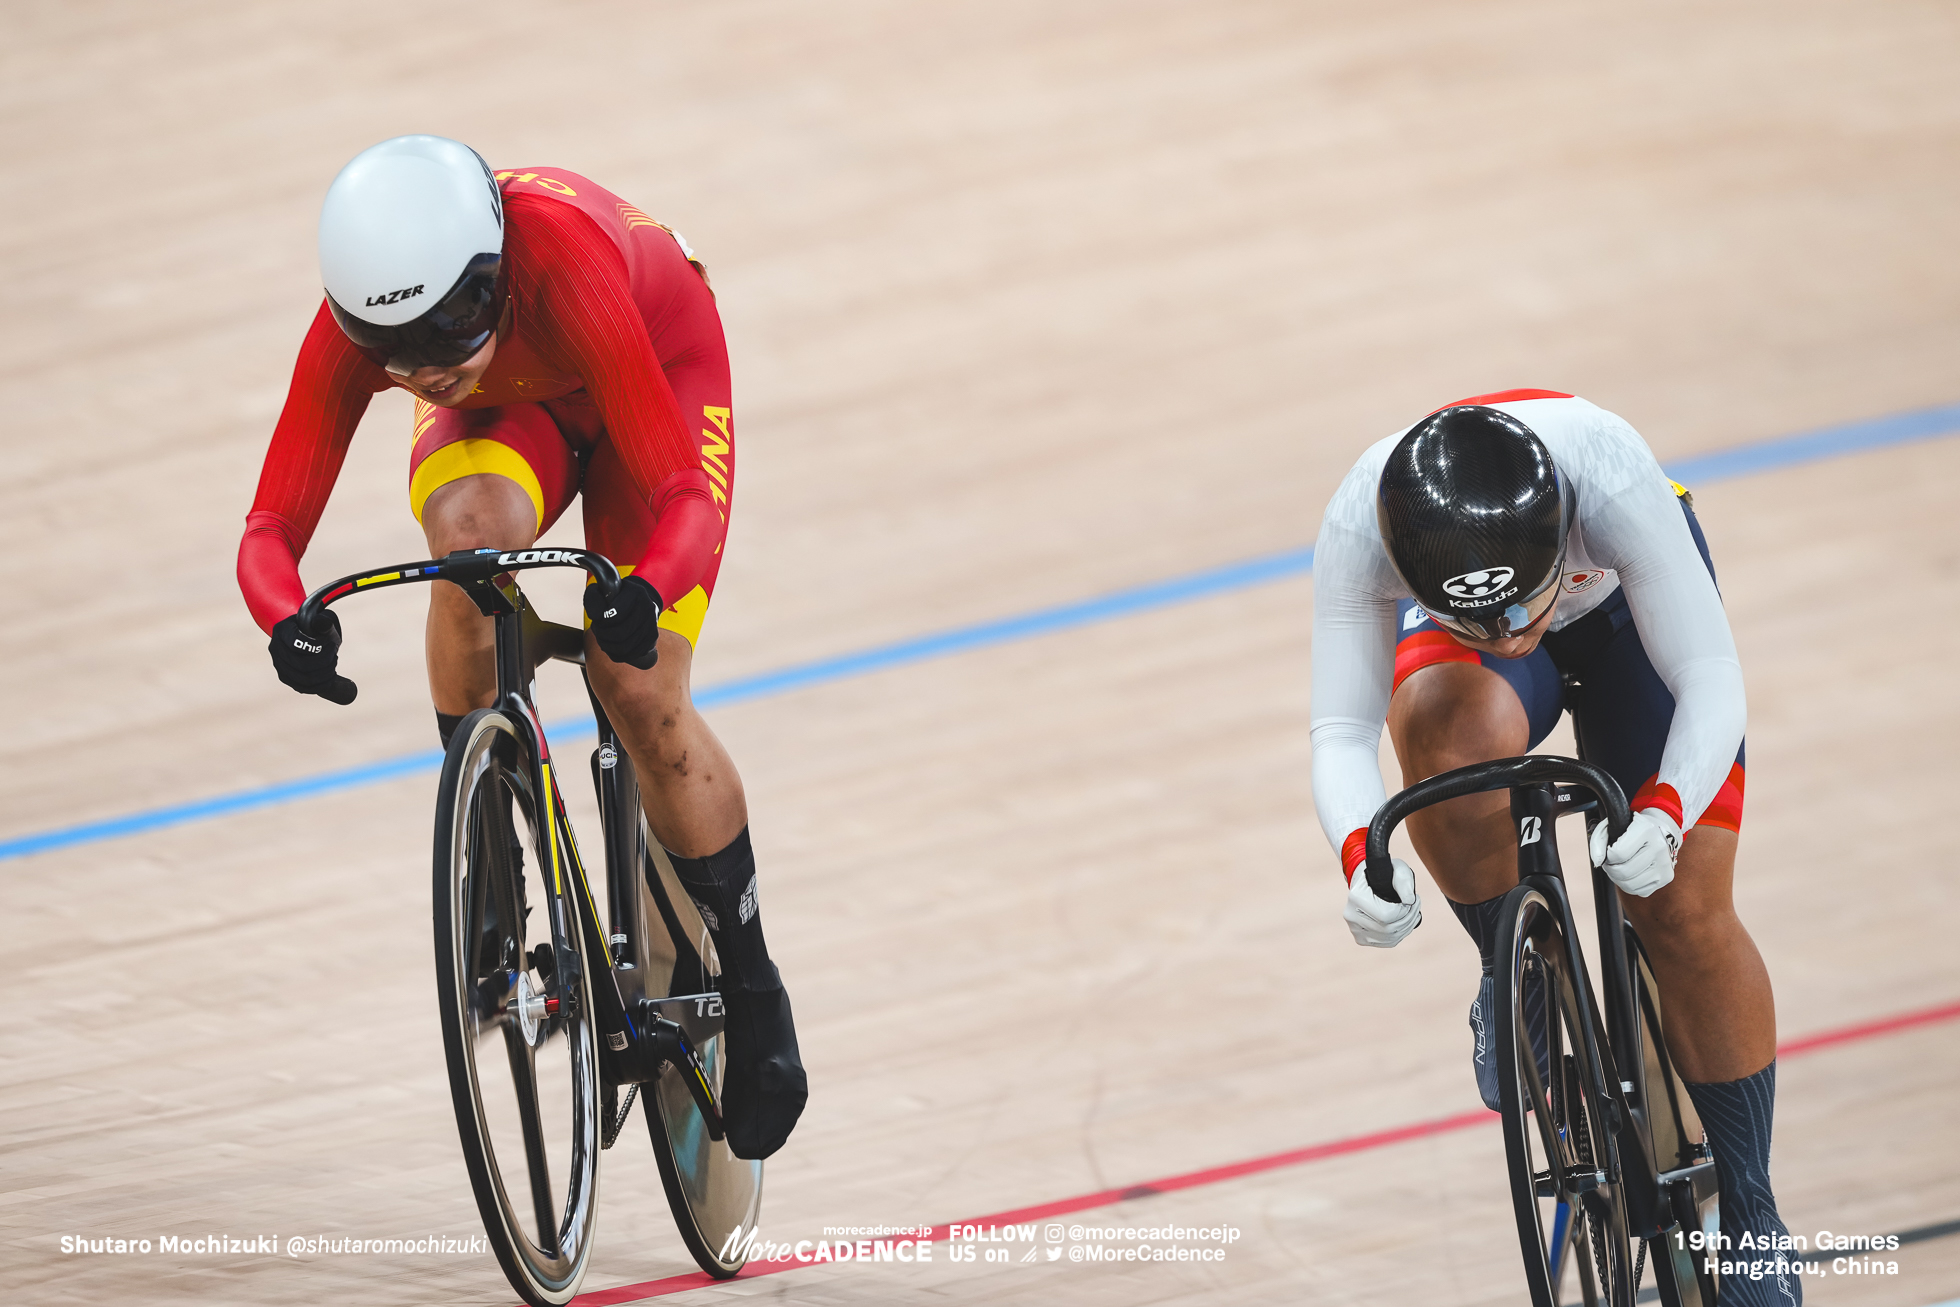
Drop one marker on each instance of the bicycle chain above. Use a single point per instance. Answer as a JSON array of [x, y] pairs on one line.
[[619, 1123]]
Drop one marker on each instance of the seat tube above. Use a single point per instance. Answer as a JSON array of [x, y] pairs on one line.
[[1533, 808]]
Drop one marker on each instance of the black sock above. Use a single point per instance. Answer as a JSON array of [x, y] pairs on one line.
[[723, 888], [446, 726], [1736, 1114], [1480, 919]]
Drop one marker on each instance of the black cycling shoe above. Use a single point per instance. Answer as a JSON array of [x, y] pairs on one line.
[[1483, 1051], [763, 1087]]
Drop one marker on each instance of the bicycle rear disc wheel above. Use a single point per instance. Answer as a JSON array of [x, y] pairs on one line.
[[716, 1197], [1572, 1227], [516, 1014], [1675, 1134]]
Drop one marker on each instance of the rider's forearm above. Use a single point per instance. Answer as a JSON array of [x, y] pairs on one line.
[[1353, 673], [268, 569], [687, 532], [1347, 779]]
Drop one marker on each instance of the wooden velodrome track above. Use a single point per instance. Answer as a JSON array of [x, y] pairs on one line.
[[1029, 302]]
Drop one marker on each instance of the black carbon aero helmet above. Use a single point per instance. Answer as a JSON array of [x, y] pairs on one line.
[[1474, 516], [411, 251]]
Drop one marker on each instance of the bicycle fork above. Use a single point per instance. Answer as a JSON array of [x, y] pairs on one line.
[[1534, 809]]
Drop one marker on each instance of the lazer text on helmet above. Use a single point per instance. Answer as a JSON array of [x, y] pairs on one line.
[[395, 296]]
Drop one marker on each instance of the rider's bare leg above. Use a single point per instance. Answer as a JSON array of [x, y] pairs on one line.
[[484, 511], [688, 784], [1718, 1011], [696, 809], [1716, 1003], [1450, 715]]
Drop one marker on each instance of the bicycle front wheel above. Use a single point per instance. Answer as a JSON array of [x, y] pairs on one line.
[[516, 1013], [1572, 1224]]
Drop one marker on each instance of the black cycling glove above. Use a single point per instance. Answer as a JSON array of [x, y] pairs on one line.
[[308, 663], [627, 626]]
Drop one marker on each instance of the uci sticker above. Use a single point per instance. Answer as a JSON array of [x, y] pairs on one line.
[[1575, 582]]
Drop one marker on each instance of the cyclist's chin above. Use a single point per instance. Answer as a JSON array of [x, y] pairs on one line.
[[444, 396]]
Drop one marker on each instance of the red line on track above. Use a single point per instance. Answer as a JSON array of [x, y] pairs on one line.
[[1234, 1170], [1866, 1030]]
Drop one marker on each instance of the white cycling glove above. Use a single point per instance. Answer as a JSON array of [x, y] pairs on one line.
[[1377, 924], [1642, 860]]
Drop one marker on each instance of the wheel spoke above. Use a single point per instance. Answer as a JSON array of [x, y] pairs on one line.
[[523, 1074], [1561, 1236], [1583, 1243]]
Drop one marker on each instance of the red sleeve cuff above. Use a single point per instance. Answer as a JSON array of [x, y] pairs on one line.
[[1354, 852], [1659, 796]]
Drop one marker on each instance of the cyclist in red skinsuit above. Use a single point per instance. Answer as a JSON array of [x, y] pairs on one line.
[[606, 375], [572, 316]]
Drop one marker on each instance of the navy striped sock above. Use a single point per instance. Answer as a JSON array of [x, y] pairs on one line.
[[1480, 919], [1736, 1114]]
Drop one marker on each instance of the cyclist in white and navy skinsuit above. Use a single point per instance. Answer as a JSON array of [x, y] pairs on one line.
[[1630, 636]]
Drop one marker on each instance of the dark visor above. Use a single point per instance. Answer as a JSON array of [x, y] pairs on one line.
[[448, 334], [1503, 623]]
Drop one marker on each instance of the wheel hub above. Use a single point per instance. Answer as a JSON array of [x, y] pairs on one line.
[[533, 1007]]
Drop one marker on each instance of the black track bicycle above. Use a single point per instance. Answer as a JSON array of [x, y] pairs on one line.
[[554, 1017], [1607, 1159]]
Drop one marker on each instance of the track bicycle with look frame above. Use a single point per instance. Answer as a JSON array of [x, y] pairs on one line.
[[1607, 1159], [553, 1021]]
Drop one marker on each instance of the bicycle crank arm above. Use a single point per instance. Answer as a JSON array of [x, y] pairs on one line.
[[670, 1044], [1574, 1184]]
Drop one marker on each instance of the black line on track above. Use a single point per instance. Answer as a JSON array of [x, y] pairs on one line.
[[1925, 1232]]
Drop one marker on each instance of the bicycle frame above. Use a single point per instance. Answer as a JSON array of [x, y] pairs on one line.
[[633, 1046], [1538, 800]]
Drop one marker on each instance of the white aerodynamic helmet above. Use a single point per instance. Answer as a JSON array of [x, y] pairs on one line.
[[411, 252]]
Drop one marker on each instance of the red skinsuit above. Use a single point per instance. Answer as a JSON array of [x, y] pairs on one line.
[[591, 281]]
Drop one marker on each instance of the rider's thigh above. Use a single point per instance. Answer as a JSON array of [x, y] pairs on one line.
[[1449, 715]]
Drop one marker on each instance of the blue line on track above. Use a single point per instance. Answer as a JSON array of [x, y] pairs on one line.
[[1743, 460], [1789, 451]]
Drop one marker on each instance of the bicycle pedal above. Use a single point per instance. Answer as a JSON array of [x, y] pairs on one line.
[[1583, 1182]]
